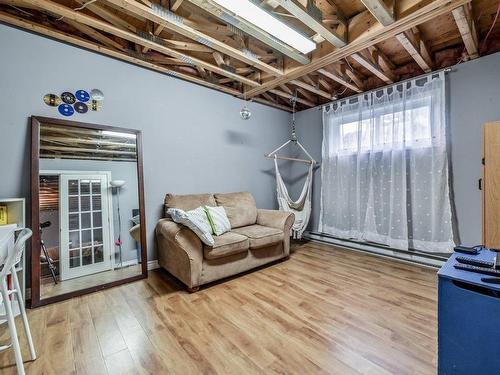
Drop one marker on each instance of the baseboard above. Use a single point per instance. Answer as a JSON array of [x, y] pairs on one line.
[[407, 257], [153, 264]]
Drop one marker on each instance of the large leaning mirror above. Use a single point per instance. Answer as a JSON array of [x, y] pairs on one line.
[[88, 204]]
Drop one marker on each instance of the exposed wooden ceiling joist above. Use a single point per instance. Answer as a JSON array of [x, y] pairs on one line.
[[380, 11], [373, 67], [176, 4], [467, 29], [311, 88], [127, 35], [339, 79], [137, 33], [291, 96], [371, 37], [417, 49], [171, 21], [94, 34]]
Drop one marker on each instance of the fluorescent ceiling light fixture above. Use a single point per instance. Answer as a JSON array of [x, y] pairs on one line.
[[263, 20]]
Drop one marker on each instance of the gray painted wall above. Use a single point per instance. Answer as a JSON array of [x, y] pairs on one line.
[[194, 140], [474, 98]]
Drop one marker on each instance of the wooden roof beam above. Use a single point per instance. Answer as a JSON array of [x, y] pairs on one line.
[[467, 28], [94, 34], [371, 36], [138, 39], [171, 21], [247, 27], [373, 67], [289, 96], [176, 4], [417, 49], [311, 88], [303, 16], [337, 78], [306, 94], [273, 104], [380, 11], [109, 16]]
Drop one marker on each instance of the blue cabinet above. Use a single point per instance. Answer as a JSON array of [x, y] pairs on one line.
[[468, 321]]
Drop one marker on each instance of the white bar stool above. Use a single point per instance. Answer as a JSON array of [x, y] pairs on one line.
[[7, 267]]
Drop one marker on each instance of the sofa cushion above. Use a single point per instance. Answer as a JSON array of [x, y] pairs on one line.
[[227, 244], [218, 220], [188, 202], [260, 236], [240, 208], [196, 220]]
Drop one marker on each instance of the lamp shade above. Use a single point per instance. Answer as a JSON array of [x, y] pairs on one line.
[[117, 183]]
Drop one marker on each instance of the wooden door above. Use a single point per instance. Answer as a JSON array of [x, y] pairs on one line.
[[84, 224], [491, 185]]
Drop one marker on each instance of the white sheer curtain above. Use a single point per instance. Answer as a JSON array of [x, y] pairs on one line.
[[385, 167]]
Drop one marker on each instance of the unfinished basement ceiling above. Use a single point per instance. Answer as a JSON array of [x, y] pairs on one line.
[[361, 44]]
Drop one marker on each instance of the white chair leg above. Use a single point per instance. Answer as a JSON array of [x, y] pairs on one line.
[[12, 328], [26, 324]]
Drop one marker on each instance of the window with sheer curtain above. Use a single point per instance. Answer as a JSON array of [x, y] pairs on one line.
[[385, 168]]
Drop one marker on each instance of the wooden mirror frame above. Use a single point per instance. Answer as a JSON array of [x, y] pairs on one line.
[[33, 294]]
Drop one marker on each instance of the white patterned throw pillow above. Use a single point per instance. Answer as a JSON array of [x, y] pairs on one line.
[[218, 220], [196, 220]]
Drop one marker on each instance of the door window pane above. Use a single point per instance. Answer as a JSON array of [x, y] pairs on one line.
[[74, 240], [85, 200], [96, 202], [98, 254], [86, 256], [97, 219], [74, 258], [86, 238], [74, 221], [97, 236], [85, 220], [73, 204], [96, 187], [85, 187], [73, 187]]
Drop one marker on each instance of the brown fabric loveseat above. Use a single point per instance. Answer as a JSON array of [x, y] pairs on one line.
[[257, 237]]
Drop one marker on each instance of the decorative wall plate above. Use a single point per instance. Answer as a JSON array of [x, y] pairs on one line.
[[52, 100], [82, 95], [96, 94], [66, 110], [81, 107], [95, 105], [68, 98]]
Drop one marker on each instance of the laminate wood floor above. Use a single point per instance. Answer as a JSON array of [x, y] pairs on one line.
[[324, 311]]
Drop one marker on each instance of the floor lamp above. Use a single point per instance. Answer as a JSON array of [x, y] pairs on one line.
[[118, 184]]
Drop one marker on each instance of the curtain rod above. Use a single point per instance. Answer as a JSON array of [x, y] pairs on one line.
[[448, 69]]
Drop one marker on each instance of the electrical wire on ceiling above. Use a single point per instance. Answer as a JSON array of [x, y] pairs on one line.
[[21, 10], [483, 45], [79, 8], [491, 28]]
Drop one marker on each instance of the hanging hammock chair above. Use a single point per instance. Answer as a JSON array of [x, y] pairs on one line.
[[301, 208]]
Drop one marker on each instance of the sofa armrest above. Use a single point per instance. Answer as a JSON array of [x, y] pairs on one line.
[[279, 220], [275, 219], [180, 251]]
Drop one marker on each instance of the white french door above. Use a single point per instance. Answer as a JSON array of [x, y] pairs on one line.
[[85, 245]]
